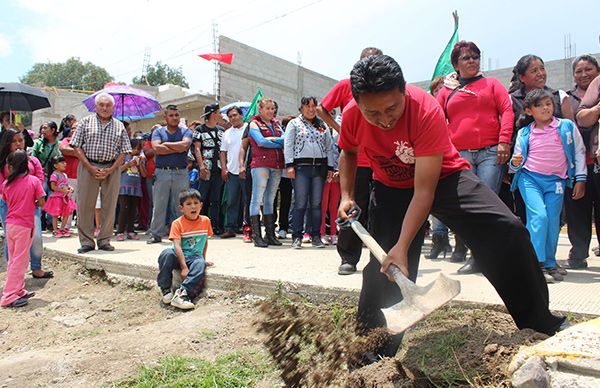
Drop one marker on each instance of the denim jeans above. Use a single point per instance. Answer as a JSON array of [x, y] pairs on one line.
[[235, 188], [265, 182], [308, 185], [484, 165], [167, 186], [37, 247], [193, 282]]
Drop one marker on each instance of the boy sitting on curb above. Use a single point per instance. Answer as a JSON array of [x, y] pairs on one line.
[[189, 234]]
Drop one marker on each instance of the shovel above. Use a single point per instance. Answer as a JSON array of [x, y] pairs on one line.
[[418, 302]]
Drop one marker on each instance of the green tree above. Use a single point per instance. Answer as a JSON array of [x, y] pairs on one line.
[[72, 74], [161, 74]]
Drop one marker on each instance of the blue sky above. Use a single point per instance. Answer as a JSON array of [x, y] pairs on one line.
[[327, 34]]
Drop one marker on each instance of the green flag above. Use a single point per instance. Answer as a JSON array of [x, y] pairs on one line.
[[253, 110], [444, 65]]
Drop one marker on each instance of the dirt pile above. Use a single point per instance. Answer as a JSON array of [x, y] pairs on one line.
[[455, 346], [313, 347]]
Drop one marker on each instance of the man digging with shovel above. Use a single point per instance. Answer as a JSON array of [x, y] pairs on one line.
[[418, 171]]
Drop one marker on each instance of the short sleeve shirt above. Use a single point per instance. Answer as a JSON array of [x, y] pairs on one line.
[[20, 198], [175, 160], [421, 131], [101, 143], [210, 140], [192, 233]]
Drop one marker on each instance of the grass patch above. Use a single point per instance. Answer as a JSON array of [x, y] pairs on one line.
[[207, 334], [86, 333], [438, 359], [237, 369]]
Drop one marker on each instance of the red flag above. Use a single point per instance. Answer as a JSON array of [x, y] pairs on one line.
[[221, 57]]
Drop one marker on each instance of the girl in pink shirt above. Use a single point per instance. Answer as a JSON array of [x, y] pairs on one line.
[[549, 155], [22, 192]]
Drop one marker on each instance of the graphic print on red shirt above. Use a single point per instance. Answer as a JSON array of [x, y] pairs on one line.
[[421, 131]]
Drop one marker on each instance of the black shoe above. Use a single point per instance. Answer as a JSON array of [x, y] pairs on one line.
[[106, 247], [575, 264], [316, 242], [440, 245], [460, 251], [228, 234], [19, 302], [217, 231], [470, 267], [270, 238], [85, 249], [153, 240], [596, 250], [346, 269], [257, 232], [45, 275]]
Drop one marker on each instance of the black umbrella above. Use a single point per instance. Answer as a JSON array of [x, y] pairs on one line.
[[21, 97]]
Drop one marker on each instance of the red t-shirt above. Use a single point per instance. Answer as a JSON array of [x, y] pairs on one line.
[[150, 165], [72, 161], [421, 131], [338, 97]]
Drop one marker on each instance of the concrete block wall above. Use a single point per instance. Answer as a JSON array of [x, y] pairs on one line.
[[279, 79]]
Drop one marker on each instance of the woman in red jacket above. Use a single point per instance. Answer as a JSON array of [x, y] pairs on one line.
[[480, 121]]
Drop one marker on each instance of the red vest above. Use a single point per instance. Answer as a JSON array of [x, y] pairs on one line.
[[266, 157]]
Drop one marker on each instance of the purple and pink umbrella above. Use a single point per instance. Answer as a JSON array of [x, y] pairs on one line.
[[130, 103]]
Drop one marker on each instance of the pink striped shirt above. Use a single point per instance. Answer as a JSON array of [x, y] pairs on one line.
[[546, 153]]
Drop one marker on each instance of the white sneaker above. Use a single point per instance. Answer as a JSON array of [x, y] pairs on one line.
[[326, 239], [333, 238], [281, 234], [181, 300], [167, 296], [306, 238]]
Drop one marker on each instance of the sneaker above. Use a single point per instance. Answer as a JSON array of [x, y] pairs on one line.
[[326, 239], [346, 269], [297, 243], [121, 237], [549, 278], [555, 274], [66, 233], [561, 270], [306, 238], [181, 300], [167, 295], [333, 238], [132, 236], [281, 234], [57, 233], [596, 250], [96, 232], [317, 243]]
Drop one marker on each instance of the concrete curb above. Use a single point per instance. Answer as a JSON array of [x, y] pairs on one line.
[[260, 287]]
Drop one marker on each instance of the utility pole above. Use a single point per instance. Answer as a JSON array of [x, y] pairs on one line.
[[215, 63], [145, 65]]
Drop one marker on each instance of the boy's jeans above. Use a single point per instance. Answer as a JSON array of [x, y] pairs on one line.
[[194, 281]]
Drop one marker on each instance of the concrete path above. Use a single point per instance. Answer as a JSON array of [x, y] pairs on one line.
[[314, 271]]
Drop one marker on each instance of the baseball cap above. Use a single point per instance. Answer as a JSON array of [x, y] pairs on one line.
[[211, 108]]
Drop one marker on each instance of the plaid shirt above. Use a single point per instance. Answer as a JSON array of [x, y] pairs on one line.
[[101, 144]]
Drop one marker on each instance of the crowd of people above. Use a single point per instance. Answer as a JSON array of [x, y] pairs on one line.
[[532, 146]]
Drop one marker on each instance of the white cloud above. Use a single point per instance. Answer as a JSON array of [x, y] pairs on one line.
[[5, 46]]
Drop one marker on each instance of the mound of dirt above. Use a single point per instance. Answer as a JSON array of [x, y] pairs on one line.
[[454, 346]]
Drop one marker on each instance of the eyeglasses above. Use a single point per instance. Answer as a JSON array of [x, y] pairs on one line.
[[474, 57]]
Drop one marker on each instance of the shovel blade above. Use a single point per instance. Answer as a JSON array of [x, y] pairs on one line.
[[419, 303]]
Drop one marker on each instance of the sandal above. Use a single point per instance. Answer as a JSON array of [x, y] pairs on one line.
[[46, 275]]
